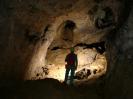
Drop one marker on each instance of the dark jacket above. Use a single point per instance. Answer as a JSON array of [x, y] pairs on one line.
[[72, 60]]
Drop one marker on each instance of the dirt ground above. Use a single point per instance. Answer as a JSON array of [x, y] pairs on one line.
[[51, 89]]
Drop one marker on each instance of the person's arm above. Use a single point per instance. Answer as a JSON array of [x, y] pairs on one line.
[[76, 63], [66, 61], [66, 58]]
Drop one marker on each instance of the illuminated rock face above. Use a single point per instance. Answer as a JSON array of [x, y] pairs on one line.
[[87, 58]]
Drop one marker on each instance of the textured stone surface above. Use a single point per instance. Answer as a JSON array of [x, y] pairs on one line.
[[119, 79]]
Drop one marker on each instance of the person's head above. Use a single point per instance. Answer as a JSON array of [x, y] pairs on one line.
[[72, 49]]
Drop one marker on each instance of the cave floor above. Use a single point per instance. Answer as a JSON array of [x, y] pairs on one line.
[[51, 89]]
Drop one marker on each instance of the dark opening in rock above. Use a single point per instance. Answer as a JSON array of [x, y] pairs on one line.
[[83, 74], [98, 1], [107, 20], [69, 25], [100, 46], [46, 28], [55, 48], [32, 37], [67, 30]]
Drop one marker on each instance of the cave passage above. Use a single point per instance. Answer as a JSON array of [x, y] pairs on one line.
[[92, 62], [91, 59]]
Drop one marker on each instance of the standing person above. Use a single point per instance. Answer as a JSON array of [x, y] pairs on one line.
[[71, 65]]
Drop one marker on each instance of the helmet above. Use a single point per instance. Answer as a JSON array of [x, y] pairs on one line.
[[72, 49]]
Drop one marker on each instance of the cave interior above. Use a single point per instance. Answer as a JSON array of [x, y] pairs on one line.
[[36, 36]]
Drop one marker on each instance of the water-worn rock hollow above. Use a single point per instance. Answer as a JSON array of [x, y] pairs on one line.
[[35, 37]]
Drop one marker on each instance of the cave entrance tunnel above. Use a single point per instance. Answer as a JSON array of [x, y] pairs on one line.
[[92, 62]]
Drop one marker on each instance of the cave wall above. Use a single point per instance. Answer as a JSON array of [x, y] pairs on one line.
[[22, 32], [118, 83]]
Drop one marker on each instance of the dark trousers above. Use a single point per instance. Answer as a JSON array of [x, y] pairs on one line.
[[72, 69]]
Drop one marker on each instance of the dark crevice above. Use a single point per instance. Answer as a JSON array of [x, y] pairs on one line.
[[44, 33], [69, 25], [125, 12], [93, 10], [83, 74], [67, 30], [55, 48], [98, 1], [100, 47], [46, 28], [32, 37], [107, 21]]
